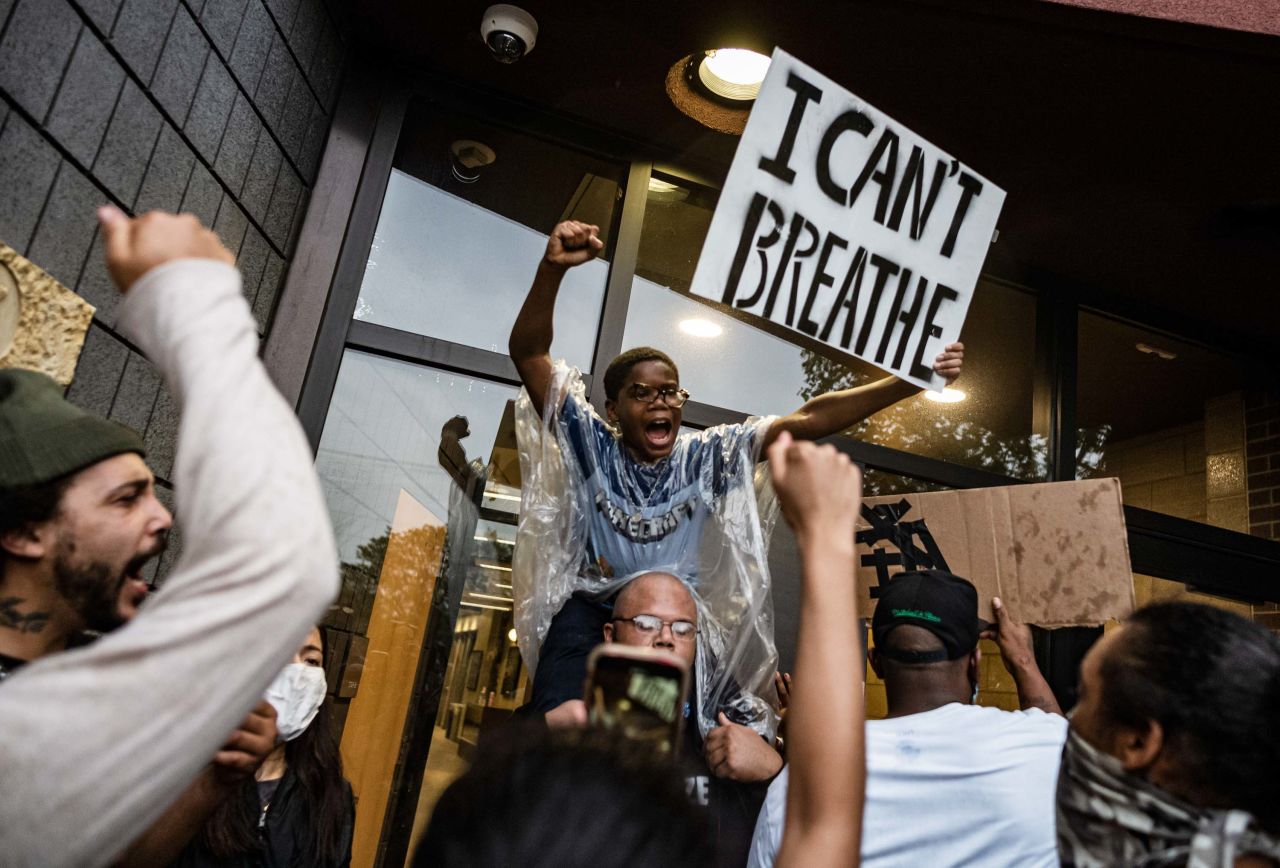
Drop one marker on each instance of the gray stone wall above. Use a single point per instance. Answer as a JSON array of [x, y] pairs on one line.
[[216, 107]]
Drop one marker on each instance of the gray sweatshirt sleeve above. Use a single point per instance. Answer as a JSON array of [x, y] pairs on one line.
[[95, 743]]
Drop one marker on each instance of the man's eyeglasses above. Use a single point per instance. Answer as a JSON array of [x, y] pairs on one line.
[[650, 625], [670, 395]]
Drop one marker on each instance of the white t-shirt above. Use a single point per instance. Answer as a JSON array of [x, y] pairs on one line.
[[958, 785]]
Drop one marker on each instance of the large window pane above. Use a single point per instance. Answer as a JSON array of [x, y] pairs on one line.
[[417, 467], [454, 259], [383, 434], [1164, 416], [728, 363]]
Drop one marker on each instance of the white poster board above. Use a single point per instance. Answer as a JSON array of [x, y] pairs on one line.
[[840, 223]]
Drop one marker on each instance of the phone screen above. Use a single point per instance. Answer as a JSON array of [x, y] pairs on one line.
[[639, 694]]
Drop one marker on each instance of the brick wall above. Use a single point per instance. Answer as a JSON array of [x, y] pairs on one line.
[[1163, 470], [217, 107]]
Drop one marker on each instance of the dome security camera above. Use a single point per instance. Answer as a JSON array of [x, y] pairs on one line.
[[509, 31]]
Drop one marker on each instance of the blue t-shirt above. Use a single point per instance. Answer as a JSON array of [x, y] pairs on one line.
[[643, 516]]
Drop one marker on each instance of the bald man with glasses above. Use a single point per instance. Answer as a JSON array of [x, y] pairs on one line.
[[728, 772]]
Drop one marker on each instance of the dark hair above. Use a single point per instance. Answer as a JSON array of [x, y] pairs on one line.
[[316, 764], [1211, 679], [565, 799], [24, 505], [616, 374]]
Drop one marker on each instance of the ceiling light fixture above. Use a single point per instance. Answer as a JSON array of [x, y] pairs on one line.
[[947, 396], [469, 158], [700, 328], [733, 74], [511, 634]]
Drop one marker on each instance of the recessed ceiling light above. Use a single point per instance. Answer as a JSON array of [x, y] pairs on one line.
[[947, 396], [700, 328], [733, 73], [511, 634]]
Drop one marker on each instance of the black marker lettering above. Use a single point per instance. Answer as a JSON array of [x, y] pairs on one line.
[[761, 243], [804, 253], [805, 93], [754, 212], [891, 321], [941, 293], [908, 319], [820, 279], [885, 269], [883, 177], [797, 223], [911, 187], [852, 277], [851, 120], [971, 187]]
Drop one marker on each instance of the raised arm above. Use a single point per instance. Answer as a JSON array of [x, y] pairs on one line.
[[96, 743], [834, 412], [1014, 640], [571, 243], [820, 492]]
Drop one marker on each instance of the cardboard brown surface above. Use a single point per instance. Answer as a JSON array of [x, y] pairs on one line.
[[1056, 553]]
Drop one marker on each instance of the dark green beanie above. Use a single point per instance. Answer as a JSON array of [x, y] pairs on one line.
[[44, 436]]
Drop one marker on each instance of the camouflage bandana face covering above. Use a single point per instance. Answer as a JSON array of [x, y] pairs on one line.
[[1107, 816]]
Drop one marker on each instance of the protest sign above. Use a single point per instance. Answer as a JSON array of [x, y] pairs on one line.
[[842, 224], [1055, 553]]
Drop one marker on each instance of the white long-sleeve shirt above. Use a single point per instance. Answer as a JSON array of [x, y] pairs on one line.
[[97, 742]]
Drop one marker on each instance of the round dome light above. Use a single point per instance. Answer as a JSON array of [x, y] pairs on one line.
[[733, 73], [947, 396]]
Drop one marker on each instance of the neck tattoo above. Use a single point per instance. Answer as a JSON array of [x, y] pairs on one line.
[[23, 622]]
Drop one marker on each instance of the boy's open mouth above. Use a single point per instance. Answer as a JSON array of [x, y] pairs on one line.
[[659, 433]]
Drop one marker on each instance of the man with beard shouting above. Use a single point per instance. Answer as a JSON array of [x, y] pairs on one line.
[[97, 742]]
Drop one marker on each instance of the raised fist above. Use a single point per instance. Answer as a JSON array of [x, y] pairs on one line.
[[572, 243], [135, 246]]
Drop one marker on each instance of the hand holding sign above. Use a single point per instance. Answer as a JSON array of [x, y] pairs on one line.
[[572, 243], [949, 362], [842, 224]]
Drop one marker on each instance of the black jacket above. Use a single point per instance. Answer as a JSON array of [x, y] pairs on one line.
[[282, 834]]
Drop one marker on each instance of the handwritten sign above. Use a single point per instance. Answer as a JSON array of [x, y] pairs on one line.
[[842, 224]]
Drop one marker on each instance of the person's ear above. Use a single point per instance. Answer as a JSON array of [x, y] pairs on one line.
[[608, 632], [611, 410], [975, 665], [873, 657], [1138, 748], [29, 542]]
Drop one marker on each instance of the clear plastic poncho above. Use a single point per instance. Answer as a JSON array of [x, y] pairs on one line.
[[725, 565]]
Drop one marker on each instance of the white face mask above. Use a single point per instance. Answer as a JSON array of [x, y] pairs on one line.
[[296, 694]]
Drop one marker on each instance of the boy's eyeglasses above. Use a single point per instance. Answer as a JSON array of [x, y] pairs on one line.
[[670, 395]]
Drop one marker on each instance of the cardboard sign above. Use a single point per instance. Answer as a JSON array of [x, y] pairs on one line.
[[1055, 553], [840, 223]]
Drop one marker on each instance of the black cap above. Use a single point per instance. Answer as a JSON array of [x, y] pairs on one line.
[[940, 602]]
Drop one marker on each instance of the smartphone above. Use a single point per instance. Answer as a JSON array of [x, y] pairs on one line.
[[638, 692]]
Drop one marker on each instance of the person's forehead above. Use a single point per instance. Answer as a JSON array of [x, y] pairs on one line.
[[314, 641], [653, 372], [656, 594], [110, 473]]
